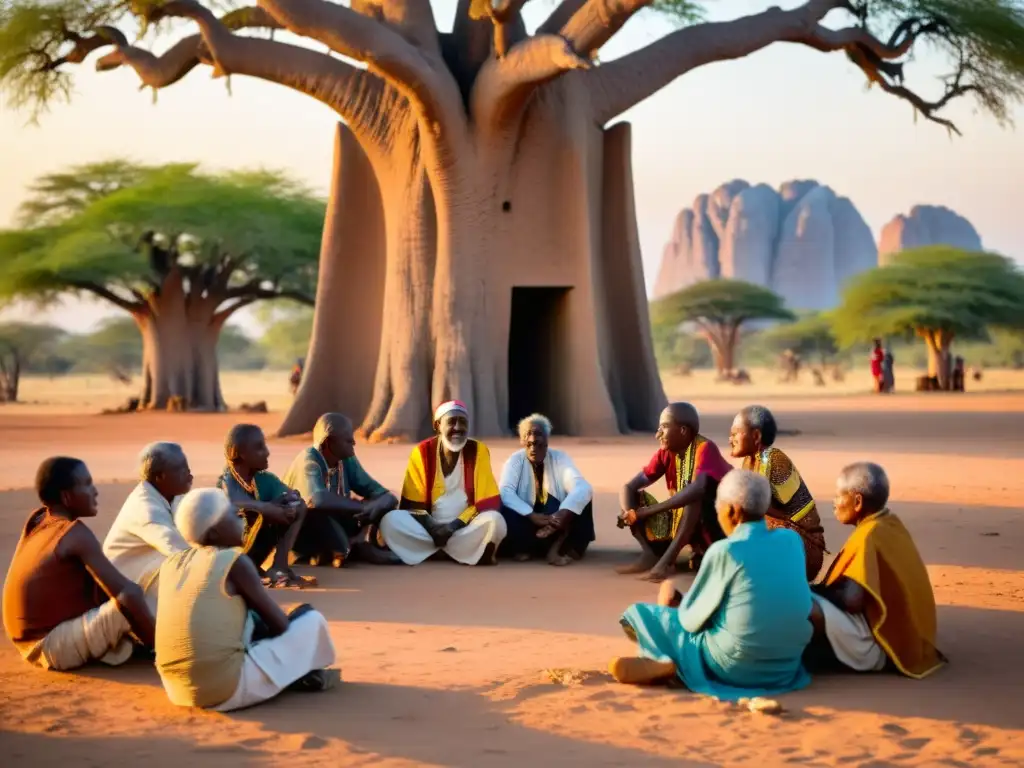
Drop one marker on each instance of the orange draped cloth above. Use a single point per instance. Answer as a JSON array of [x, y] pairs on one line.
[[881, 557]]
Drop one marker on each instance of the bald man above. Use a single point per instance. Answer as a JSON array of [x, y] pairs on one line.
[[692, 467], [345, 503]]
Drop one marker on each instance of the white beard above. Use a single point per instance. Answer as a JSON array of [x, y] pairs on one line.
[[454, 447]]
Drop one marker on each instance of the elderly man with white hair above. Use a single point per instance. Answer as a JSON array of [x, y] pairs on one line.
[[742, 628], [449, 498], [546, 502], [221, 642], [143, 534], [875, 607]]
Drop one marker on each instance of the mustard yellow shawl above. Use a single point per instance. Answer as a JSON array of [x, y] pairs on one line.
[[423, 482], [881, 557]]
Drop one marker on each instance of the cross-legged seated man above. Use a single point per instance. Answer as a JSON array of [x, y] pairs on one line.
[[65, 604], [221, 641], [546, 502], [326, 475], [143, 534], [273, 512], [742, 628], [449, 498], [692, 467], [875, 607]]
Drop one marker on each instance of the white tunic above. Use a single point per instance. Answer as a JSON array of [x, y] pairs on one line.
[[143, 536], [408, 539], [562, 481]]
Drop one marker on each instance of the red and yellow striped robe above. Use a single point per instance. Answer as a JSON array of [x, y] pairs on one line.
[[424, 482]]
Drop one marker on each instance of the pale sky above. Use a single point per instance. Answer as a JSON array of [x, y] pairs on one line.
[[784, 113]]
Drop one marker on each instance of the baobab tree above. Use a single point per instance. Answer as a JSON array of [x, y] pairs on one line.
[[180, 251], [490, 188]]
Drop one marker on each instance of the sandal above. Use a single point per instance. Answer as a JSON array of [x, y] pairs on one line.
[[288, 579]]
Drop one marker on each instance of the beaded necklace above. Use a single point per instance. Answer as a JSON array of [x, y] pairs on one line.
[[249, 488]]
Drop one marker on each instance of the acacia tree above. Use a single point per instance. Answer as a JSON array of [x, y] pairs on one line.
[[719, 309], [181, 252], [479, 160], [938, 293], [19, 343]]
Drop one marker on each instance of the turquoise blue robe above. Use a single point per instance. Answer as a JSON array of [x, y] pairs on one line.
[[742, 628]]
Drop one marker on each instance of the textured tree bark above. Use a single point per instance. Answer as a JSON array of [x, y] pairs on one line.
[[349, 299], [179, 359], [939, 357]]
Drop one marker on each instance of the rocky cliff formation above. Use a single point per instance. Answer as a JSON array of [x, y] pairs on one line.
[[927, 225], [802, 241]]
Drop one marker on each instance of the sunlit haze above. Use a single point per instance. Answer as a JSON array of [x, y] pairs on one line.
[[785, 113]]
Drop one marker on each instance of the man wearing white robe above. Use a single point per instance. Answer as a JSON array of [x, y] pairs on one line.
[[449, 498], [545, 500], [143, 534]]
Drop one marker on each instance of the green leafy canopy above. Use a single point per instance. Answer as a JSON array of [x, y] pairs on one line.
[[263, 225], [721, 302], [937, 288]]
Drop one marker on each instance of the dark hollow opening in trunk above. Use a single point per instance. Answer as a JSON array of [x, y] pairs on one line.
[[537, 354]]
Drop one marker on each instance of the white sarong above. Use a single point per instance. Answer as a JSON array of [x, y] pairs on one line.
[[851, 638], [410, 541], [273, 664], [97, 635]]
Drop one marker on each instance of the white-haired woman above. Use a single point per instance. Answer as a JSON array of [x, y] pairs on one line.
[[221, 642], [742, 628], [546, 502]]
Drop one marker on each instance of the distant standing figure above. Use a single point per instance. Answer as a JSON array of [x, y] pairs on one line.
[[958, 375], [296, 378], [877, 358], [888, 375]]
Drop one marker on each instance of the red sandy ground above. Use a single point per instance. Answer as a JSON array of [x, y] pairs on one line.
[[443, 665]]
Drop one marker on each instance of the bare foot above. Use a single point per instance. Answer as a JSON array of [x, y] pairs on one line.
[[559, 560], [634, 670], [369, 553], [668, 595], [643, 565], [490, 555], [522, 557]]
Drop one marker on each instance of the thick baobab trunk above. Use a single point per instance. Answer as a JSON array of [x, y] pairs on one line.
[[401, 407], [179, 359], [346, 336], [940, 361], [631, 370], [537, 251]]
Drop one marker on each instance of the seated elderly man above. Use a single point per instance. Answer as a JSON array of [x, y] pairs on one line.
[[449, 498], [875, 606], [742, 628], [221, 642], [752, 438], [143, 534], [273, 512], [326, 475], [546, 503], [692, 467], [65, 604]]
